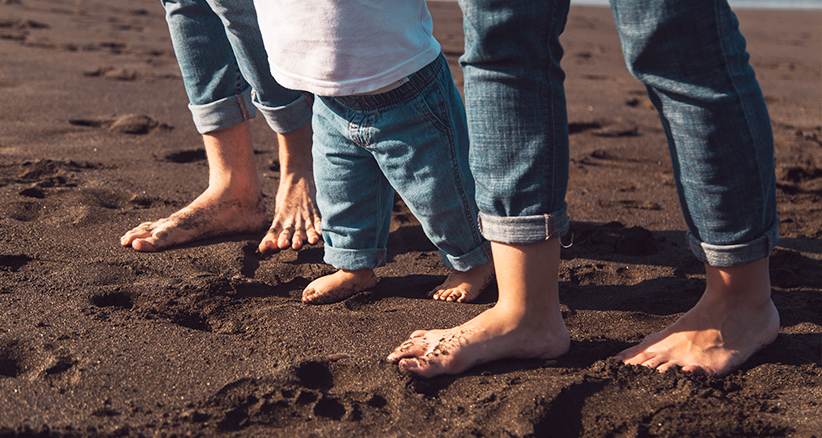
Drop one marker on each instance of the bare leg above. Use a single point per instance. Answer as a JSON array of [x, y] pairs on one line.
[[339, 286], [296, 217], [464, 287], [526, 322], [231, 204], [734, 318]]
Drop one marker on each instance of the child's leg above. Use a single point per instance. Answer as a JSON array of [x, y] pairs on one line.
[[425, 157], [355, 201]]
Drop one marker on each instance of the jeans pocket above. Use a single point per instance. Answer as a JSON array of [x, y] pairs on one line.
[[432, 104]]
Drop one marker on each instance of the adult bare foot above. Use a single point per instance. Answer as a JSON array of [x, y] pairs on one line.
[[339, 286], [231, 204], [296, 216], [526, 322], [733, 320], [464, 287], [211, 214], [492, 335]]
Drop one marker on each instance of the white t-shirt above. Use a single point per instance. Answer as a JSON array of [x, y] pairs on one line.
[[345, 47]]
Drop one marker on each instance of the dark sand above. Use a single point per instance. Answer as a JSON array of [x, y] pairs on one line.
[[211, 339]]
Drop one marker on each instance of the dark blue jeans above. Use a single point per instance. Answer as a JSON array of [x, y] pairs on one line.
[[692, 59]]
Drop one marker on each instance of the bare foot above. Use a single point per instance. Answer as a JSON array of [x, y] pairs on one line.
[[526, 322], [231, 204], [733, 320], [296, 216], [339, 286], [464, 287], [211, 214], [491, 335]]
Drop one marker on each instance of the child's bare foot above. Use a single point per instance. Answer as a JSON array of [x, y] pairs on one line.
[[491, 335], [464, 287], [733, 320], [211, 214], [339, 286]]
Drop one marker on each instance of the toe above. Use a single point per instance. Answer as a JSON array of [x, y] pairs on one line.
[[629, 353], [656, 362], [144, 245]]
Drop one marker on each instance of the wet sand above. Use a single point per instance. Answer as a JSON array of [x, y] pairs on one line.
[[212, 339]]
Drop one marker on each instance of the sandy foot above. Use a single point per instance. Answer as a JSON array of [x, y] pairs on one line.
[[464, 287], [491, 335], [296, 216], [210, 215], [339, 286], [733, 320]]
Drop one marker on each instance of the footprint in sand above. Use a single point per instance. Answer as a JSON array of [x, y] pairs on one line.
[[31, 359], [127, 124], [13, 262], [307, 391]]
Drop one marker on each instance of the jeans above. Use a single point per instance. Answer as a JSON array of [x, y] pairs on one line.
[[692, 59], [412, 139], [222, 59]]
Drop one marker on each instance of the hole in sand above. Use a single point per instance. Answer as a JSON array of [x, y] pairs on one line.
[[329, 408], [315, 375], [112, 299]]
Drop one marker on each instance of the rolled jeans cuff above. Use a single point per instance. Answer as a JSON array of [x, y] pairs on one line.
[[287, 118], [354, 259], [523, 230], [476, 257], [224, 113], [727, 256]]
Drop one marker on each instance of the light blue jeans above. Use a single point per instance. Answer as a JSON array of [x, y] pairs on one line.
[[692, 59], [413, 139], [222, 59]]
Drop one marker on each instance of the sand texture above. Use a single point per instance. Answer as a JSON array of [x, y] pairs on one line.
[[212, 339]]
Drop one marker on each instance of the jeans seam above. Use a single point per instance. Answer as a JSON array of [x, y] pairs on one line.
[[243, 108], [745, 112]]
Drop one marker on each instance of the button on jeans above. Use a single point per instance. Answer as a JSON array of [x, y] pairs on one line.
[[412, 139], [221, 56], [692, 59]]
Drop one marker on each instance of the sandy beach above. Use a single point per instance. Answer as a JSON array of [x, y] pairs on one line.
[[211, 338]]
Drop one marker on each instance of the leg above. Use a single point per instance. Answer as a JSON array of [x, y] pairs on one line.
[[220, 105], [231, 204], [296, 217], [422, 148], [288, 113], [521, 176], [734, 318], [355, 200], [713, 113], [526, 322]]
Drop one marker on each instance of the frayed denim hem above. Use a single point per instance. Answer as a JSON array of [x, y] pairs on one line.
[[475, 258], [224, 113], [287, 118], [726, 256], [523, 230], [354, 259]]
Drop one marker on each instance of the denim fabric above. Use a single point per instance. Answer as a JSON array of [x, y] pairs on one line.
[[518, 123], [412, 139], [691, 57], [221, 56]]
